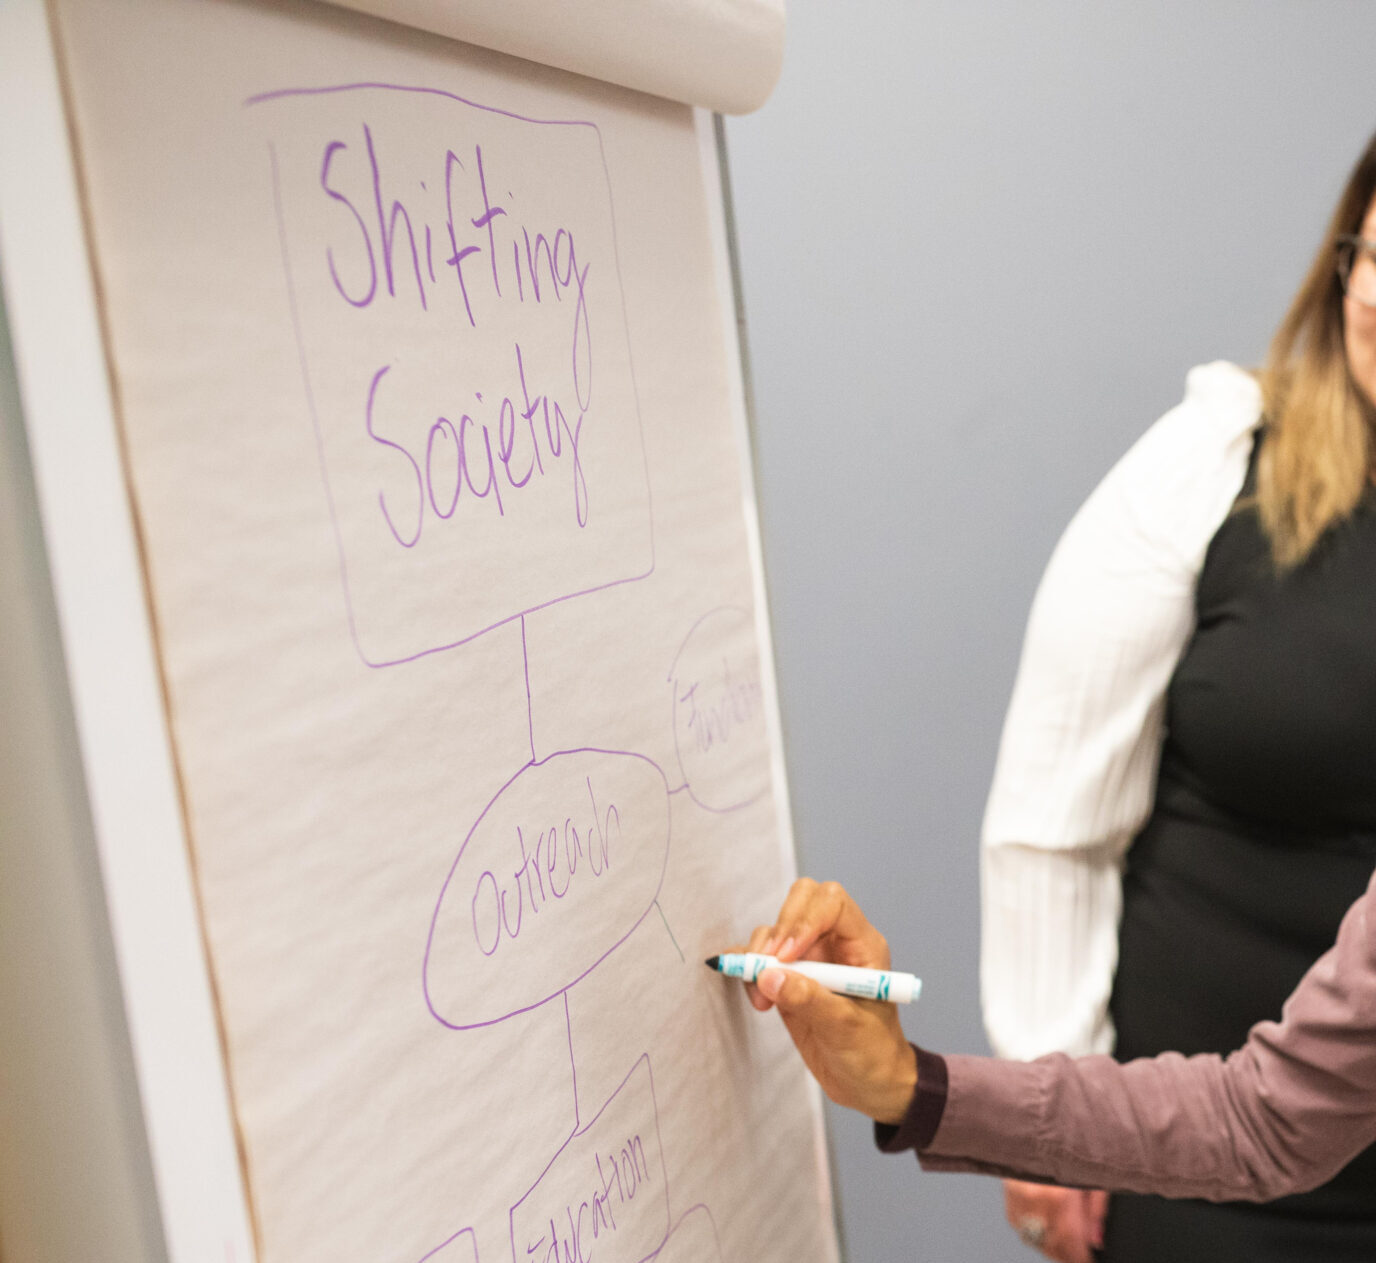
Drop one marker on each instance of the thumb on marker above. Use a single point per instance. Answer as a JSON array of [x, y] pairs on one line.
[[856, 1049], [771, 982], [794, 993]]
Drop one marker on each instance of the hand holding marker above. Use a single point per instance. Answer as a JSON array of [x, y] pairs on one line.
[[856, 1049], [861, 984]]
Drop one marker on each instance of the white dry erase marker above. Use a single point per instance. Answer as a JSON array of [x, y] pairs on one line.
[[864, 984]]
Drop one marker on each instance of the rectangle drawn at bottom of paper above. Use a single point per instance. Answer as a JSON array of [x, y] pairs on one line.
[[606, 1188]]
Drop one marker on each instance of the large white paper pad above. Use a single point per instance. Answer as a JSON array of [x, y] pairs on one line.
[[427, 415]]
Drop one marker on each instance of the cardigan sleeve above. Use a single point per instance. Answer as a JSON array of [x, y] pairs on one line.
[[1081, 742], [1281, 1115]]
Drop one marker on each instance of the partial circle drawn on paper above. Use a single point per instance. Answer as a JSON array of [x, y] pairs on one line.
[[560, 868], [462, 1247], [718, 715], [693, 1239]]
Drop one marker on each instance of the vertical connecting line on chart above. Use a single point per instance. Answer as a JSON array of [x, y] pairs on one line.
[[530, 709], [573, 1064]]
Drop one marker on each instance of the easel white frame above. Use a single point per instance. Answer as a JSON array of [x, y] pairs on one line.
[[107, 637]]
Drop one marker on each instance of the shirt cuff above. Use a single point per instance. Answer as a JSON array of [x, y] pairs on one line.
[[924, 1111]]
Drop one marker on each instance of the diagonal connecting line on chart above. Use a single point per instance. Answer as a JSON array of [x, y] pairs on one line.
[[670, 932], [573, 1061], [530, 710]]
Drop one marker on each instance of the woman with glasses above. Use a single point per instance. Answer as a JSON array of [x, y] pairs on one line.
[[1184, 804], [1185, 798]]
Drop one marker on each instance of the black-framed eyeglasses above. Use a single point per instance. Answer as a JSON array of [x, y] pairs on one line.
[[1356, 262]]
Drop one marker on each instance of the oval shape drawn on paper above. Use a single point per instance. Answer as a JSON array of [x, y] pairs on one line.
[[557, 871]]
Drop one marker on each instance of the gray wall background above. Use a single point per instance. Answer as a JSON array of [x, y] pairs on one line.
[[982, 241]]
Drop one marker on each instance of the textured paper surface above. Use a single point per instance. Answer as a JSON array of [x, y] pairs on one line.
[[420, 371]]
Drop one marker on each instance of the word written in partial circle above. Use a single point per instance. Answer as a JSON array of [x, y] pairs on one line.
[[716, 707], [548, 867], [718, 711]]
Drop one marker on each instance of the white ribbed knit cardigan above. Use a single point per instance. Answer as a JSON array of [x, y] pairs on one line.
[[1077, 762]]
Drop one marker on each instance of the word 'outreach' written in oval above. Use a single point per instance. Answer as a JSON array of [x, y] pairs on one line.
[[560, 867]]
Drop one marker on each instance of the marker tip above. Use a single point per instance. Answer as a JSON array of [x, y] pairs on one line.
[[711, 962]]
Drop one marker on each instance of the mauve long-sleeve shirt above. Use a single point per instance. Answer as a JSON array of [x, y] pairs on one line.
[[1280, 1115]]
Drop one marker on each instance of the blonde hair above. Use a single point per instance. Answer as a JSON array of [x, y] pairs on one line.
[[1317, 458]]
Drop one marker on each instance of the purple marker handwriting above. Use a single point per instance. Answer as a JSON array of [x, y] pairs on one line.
[[606, 1193], [455, 296], [718, 711], [451, 276], [489, 458], [391, 241], [551, 859], [400, 247], [723, 704], [560, 867]]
